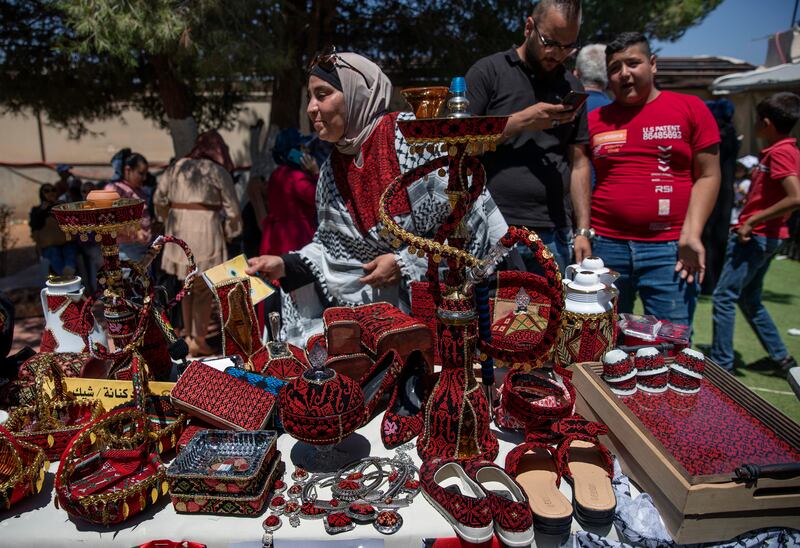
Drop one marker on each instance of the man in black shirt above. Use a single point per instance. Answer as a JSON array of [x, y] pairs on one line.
[[540, 174]]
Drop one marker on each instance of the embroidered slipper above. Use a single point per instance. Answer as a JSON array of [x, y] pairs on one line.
[[588, 466], [461, 501], [511, 513], [535, 467]]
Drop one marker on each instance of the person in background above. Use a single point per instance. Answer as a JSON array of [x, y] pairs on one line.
[[86, 188], [656, 156], [590, 69], [774, 194], [65, 180], [540, 175], [50, 240], [133, 243], [118, 164], [90, 259], [716, 229], [292, 220], [197, 201], [741, 184]]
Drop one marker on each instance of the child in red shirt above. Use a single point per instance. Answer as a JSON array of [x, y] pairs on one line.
[[774, 194], [656, 157]]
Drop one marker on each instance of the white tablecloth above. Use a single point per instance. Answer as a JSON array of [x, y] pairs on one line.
[[36, 522]]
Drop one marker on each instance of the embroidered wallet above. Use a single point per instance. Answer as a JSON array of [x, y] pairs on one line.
[[221, 399]]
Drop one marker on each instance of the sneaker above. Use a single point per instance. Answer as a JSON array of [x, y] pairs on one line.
[[460, 500], [511, 512]]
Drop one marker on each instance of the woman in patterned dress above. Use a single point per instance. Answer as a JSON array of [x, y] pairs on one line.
[[348, 263]]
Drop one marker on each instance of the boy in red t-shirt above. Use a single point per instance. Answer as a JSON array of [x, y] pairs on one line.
[[774, 194], [656, 157]]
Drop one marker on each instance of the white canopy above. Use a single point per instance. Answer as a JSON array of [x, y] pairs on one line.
[[780, 76]]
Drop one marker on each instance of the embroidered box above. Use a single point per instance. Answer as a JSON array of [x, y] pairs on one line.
[[220, 461]]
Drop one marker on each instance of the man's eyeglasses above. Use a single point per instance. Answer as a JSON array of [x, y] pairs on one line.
[[328, 60], [547, 43]]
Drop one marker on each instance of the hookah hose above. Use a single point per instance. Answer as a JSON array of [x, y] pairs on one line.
[[484, 329]]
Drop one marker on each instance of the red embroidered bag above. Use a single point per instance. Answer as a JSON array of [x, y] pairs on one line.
[[221, 399]]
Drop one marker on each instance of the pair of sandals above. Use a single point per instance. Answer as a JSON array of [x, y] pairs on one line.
[[558, 443], [569, 449]]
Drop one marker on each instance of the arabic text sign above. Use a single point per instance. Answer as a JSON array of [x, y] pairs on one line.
[[111, 392]]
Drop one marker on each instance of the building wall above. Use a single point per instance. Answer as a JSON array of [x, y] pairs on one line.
[[19, 144]]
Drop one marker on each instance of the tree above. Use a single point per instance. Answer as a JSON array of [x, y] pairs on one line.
[[37, 74], [417, 40], [189, 64], [199, 56]]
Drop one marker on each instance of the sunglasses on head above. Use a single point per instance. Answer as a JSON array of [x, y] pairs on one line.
[[328, 61]]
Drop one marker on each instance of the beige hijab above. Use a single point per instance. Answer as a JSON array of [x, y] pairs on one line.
[[366, 97]]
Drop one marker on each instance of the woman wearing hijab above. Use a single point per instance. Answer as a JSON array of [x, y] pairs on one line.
[[197, 201], [134, 171], [348, 263]]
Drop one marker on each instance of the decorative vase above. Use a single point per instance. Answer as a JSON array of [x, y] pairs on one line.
[[67, 321], [589, 320]]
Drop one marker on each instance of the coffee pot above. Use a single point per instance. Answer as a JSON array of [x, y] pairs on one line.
[[592, 264], [67, 323], [585, 293], [589, 319]]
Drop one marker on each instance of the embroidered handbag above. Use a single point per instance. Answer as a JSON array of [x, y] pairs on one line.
[[526, 312], [378, 327], [240, 332], [221, 399], [22, 469], [111, 469], [52, 421]]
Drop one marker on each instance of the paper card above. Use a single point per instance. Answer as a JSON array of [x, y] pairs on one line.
[[111, 392], [235, 268]]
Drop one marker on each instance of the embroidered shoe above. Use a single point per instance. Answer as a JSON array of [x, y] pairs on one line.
[[460, 500], [379, 381], [404, 417], [511, 512]]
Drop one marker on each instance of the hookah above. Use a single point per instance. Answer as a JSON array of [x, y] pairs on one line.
[[457, 411], [128, 304]]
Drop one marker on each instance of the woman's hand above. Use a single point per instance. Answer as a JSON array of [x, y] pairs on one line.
[[382, 271], [271, 266]]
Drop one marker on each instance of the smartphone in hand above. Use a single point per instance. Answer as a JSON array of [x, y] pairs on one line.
[[575, 99]]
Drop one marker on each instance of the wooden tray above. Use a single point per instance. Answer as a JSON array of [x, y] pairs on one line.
[[695, 507]]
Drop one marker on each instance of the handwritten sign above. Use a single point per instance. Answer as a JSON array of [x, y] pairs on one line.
[[111, 392]]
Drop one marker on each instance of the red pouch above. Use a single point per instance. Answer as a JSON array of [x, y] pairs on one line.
[[342, 332], [240, 331], [221, 399]]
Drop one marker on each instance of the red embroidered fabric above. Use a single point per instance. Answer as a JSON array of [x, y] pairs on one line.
[[709, 433], [361, 187]]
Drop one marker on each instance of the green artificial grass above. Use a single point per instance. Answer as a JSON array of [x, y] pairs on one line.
[[753, 368]]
